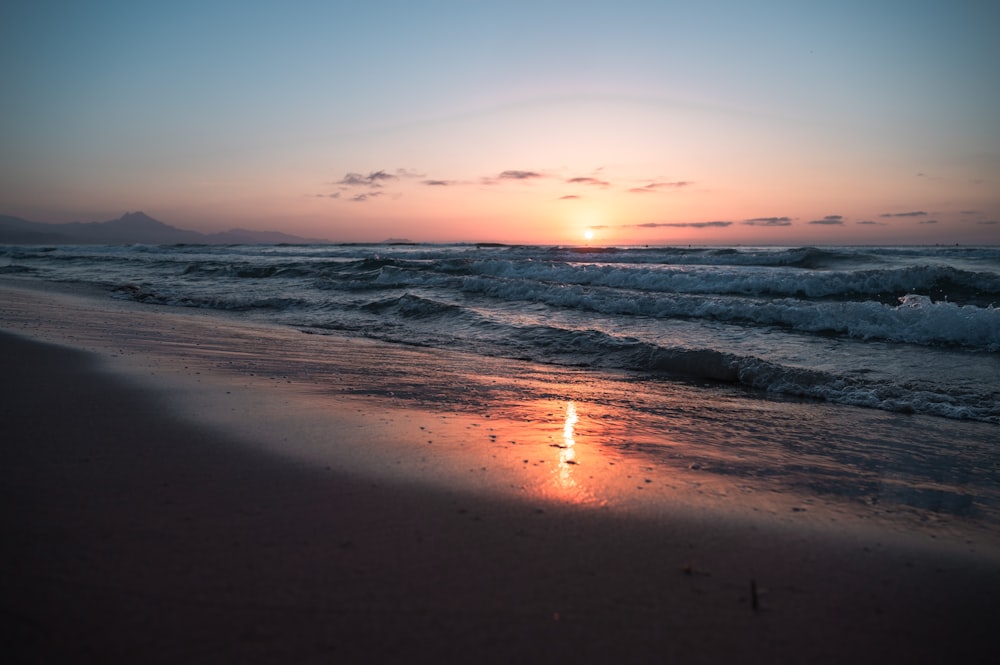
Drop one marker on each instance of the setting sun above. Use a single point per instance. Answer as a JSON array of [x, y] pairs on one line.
[[461, 142]]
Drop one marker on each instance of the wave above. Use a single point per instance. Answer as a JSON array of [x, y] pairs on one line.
[[780, 320], [800, 257], [915, 320], [15, 269], [611, 352], [240, 302], [600, 350], [940, 282], [926, 305], [449, 325], [410, 306], [747, 271], [946, 283]]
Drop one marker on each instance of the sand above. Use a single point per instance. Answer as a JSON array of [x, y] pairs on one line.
[[189, 512]]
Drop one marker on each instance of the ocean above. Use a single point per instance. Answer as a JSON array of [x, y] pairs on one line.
[[915, 330], [865, 373]]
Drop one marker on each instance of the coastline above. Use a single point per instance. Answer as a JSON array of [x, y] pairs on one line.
[[150, 516]]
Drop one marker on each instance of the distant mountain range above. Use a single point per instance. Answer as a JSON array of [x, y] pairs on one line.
[[131, 228]]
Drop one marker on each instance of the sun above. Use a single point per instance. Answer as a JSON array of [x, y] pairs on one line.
[[588, 234]]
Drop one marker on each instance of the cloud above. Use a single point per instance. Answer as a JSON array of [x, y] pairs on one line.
[[569, 197], [373, 179], [375, 176], [868, 222], [928, 221], [769, 221], [360, 198], [657, 186], [970, 212], [830, 220], [598, 227], [352, 180], [679, 225], [596, 182], [989, 222], [438, 183], [915, 213], [519, 175], [512, 174]]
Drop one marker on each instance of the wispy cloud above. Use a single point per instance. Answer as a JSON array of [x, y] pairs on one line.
[[928, 221], [989, 222], [361, 198], [519, 175], [378, 176], [680, 225], [439, 183], [373, 179], [516, 175], [768, 221], [915, 213], [353, 180], [868, 222], [595, 182], [654, 187], [569, 197], [830, 220]]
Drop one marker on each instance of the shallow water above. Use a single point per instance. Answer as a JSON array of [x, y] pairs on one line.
[[585, 435], [709, 376]]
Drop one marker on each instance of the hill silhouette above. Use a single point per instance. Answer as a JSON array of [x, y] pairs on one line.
[[131, 228]]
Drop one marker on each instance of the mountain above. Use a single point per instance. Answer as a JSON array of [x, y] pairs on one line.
[[131, 228]]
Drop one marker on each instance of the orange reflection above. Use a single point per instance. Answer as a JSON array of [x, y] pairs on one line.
[[567, 452]]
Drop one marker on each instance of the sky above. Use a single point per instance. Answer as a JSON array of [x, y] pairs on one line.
[[626, 122]]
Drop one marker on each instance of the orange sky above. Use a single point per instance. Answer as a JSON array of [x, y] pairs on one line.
[[642, 122]]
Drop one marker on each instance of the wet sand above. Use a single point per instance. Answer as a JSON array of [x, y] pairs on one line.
[[161, 515]]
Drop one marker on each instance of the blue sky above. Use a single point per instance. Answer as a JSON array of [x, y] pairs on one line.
[[217, 114]]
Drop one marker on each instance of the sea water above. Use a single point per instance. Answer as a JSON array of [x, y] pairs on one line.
[[866, 377], [906, 329]]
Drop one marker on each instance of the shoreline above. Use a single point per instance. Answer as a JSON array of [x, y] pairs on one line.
[[141, 529], [499, 426]]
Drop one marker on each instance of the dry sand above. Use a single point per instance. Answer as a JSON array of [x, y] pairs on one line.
[[137, 530]]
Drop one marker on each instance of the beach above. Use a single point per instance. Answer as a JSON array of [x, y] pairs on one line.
[[182, 486]]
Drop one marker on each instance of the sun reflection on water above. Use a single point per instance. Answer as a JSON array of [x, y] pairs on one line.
[[567, 451]]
